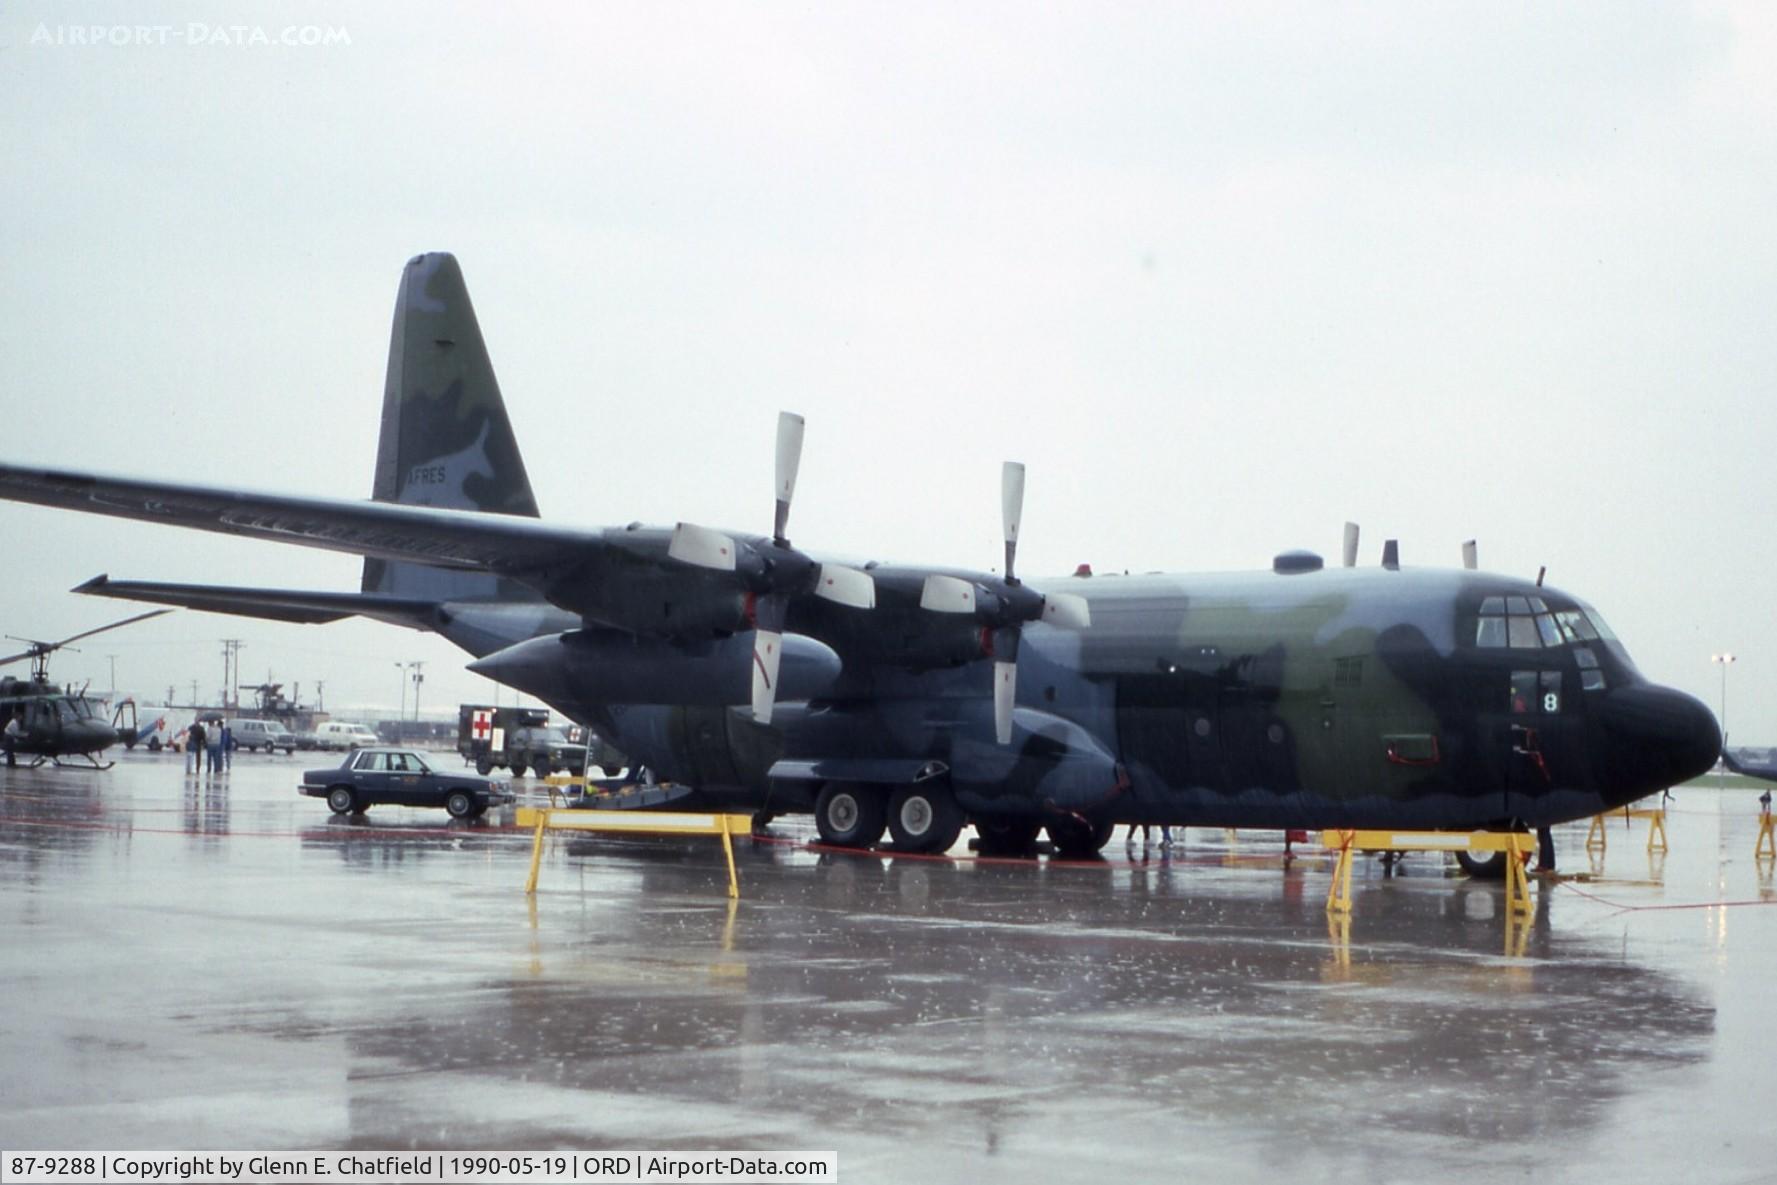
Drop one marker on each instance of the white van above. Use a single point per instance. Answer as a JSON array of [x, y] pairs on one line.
[[253, 735], [343, 734]]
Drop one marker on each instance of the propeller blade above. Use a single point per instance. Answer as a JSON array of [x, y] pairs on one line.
[[768, 651], [1470, 556], [1011, 510], [1351, 545], [1005, 687], [846, 586], [789, 459], [947, 594], [702, 547], [1067, 611]]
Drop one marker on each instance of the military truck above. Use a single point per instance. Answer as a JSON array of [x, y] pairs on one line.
[[523, 739]]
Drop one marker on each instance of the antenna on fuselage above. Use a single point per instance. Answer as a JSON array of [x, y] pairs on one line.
[[1351, 545], [1391, 555], [1470, 556], [1540, 573]]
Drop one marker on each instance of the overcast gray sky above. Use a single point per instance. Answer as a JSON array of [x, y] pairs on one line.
[[1223, 275]]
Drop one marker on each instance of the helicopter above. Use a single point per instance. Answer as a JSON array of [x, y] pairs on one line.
[[51, 722]]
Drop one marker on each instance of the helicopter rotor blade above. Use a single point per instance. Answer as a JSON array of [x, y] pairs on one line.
[[40, 649]]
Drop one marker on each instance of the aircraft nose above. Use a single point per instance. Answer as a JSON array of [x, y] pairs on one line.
[[1671, 737]]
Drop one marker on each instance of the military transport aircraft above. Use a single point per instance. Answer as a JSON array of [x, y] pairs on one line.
[[1299, 696]]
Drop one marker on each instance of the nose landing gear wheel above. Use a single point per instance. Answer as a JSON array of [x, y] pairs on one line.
[[1076, 838]]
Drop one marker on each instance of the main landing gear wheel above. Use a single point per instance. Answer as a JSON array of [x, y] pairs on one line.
[[1007, 837], [1483, 866], [924, 817], [1078, 839], [849, 815], [342, 800], [460, 804]]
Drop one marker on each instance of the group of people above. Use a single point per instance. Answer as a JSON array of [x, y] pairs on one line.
[[210, 737]]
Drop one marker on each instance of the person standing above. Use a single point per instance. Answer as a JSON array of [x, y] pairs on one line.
[[194, 747], [213, 735], [227, 731], [15, 731]]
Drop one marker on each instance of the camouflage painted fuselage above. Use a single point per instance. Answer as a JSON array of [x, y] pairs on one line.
[[1341, 697]]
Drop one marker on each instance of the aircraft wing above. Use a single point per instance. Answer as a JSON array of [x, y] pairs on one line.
[[299, 606], [1744, 762], [627, 577], [507, 544]]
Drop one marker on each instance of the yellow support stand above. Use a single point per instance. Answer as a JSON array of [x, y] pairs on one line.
[[1656, 829], [1516, 845], [1766, 848], [1595, 836], [724, 825]]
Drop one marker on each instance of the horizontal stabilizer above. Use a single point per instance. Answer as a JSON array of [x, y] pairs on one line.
[[272, 604]]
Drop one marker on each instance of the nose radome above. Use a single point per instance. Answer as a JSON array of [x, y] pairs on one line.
[[1675, 735]]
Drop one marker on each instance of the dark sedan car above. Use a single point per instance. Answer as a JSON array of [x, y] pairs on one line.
[[402, 777]]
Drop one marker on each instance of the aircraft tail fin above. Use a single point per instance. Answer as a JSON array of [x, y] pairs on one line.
[[446, 440]]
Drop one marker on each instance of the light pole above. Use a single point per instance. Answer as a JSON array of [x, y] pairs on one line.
[[402, 667], [1724, 659]]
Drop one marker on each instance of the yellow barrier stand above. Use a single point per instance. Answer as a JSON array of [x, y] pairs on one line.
[[1595, 835], [1516, 845], [1766, 848], [726, 826], [1656, 828]]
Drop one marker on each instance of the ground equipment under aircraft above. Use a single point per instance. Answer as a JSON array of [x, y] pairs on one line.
[[913, 697], [46, 723]]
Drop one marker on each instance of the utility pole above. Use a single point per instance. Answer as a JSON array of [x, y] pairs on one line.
[[231, 667], [402, 667], [113, 659], [320, 694], [418, 678], [194, 693]]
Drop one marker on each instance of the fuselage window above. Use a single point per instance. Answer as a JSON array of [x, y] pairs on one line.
[[1591, 678], [1523, 692]]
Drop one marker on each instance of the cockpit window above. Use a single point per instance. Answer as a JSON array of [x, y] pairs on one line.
[[1527, 623], [1597, 620]]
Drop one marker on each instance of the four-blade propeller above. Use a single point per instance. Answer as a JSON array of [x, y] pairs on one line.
[[772, 571], [1003, 606]]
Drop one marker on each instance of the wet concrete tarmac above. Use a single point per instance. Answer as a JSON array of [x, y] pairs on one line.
[[218, 963]]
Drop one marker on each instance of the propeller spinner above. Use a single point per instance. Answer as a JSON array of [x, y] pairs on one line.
[[773, 572]]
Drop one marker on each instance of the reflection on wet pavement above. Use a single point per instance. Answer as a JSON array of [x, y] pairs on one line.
[[219, 963]]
